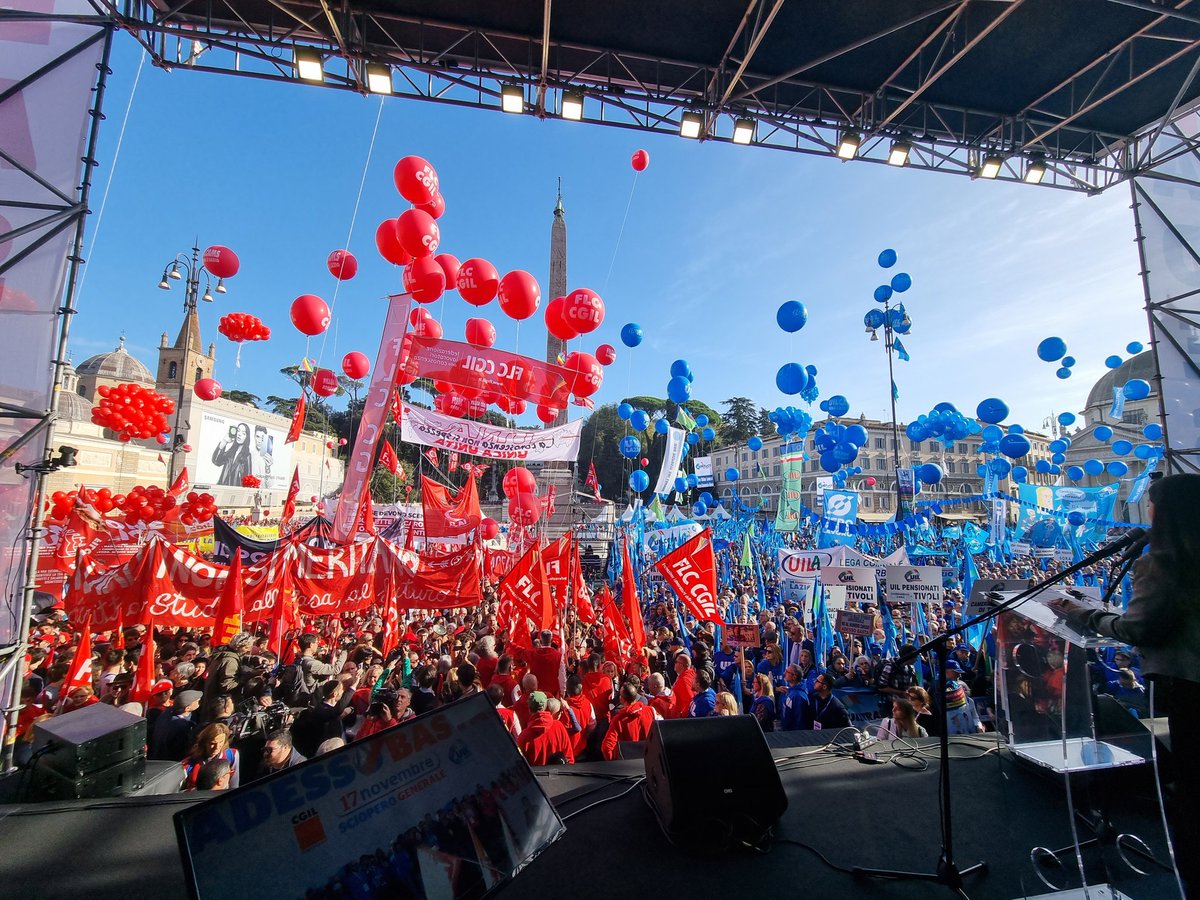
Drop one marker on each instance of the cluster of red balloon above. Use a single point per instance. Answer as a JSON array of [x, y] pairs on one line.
[[520, 487], [145, 504], [251, 481], [198, 508], [60, 505], [133, 411], [239, 327]]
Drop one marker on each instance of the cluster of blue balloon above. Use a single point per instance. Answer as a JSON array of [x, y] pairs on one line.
[[679, 388], [1116, 468], [899, 283], [704, 502], [895, 318], [1133, 348], [839, 444], [638, 419], [943, 422], [788, 421], [793, 378]]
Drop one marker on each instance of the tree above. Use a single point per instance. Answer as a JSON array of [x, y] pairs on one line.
[[765, 425], [741, 419], [242, 397], [598, 442], [386, 487], [315, 418]]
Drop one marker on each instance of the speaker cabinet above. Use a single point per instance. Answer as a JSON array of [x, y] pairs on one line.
[[712, 782]]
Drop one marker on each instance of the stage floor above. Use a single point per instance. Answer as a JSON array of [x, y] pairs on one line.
[[881, 816]]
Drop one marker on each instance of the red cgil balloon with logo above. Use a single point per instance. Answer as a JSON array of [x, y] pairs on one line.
[[342, 265], [480, 333], [477, 407], [556, 321], [477, 281], [519, 294], [584, 310], [425, 280], [640, 160], [606, 354], [207, 389], [525, 509], [221, 261], [435, 207], [387, 241], [547, 414], [418, 233], [324, 383], [488, 529], [450, 265], [355, 364], [310, 314], [416, 179], [588, 374], [428, 328], [518, 480]]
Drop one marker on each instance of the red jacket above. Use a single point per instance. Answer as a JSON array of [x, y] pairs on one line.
[[486, 669], [543, 737], [629, 723], [598, 688], [509, 718], [664, 705], [509, 684], [582, 707], [682, 692], [544, 664]]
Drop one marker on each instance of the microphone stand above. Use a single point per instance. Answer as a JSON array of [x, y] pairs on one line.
[[948, 873]]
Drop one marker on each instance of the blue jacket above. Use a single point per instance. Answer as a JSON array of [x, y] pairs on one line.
[[796, 714]]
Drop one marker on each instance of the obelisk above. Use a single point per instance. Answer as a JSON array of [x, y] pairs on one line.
[[556, 348]]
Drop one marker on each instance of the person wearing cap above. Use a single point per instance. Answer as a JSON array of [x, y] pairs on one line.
[[631, 721], [544, 740], [961, 715], [173, 732]]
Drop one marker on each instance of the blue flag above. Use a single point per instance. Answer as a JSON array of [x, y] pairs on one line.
[[900, 351]]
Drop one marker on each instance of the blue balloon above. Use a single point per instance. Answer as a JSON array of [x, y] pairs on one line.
[[791, 316], [1042, 466], [1016, 429], [624, 410], [837, 405], [1056, 470], [681, 484], [811, 370], [845, 452], [1153, 432], [791, 378], [856, 435], [1074, 473], [1000, 466], [640, 420], [708, 434], [901, 282], [681, 369], [1058, 458], [661, 426], [992, 434], [1066, 418], [692, 481], [829, 462], [1020, 474], [1103, 432], [732, 474], [873, 319], [639, 481], [887, 258], [883, 293], [693, 438], [1133, 348], [1014, 446], [1121, 448], [630, 447], [1075, 518], [992, 410], [1137, 389], [701, 420], [981, 470], [699, 509], [1063, 372], [755, 443], [916, 431], [1068, 361], [930, 473], [706, 498], [631, 334], [1113, 362], [679, 389], [1052, 349], [1093, 467], [1143, 451], [1058, 446], [1116, 468]]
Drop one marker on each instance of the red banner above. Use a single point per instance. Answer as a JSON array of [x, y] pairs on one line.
[[289, 505], [691, 572], [297, 425], [629, 600], [557, 560], [488, 369], [446, 517], [388, 458], [525, 589]]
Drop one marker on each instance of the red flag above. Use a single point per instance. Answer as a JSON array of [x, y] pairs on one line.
[[180, 487], [691, 572], [118, 633], [583, 597], [80, 673], [367, 522], [144, 677], [391, 626], [431, 455], [161, 460], [289, 505], [446, 516], [629, 600], [525, 587], [388, 458], [557, 560], [591, 481], [616, 635], [284, 618], [548, 500], [228, 619], [293, 434], [397, 407], [453, 461]]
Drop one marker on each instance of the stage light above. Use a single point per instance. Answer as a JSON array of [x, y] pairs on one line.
[[572, 105], [848, 145], [512, 98], [309, 64], [898, 155], [379, 78], [690, 125], [743, 131], [991, 166], [1036, 171]]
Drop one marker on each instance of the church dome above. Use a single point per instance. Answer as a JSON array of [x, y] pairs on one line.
[[117, 365], [73, 408], [1140, 366]]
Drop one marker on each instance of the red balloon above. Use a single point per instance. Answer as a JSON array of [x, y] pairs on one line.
[[356, 364], [221, 261], [547, 414], [342, 265], [519, 294], [450, 265], [478, 282], [342, 442], [418, 313], [416, 179], [329, 445], [606, 354], [387, 240], [481, 333], [488, 528], [161, 438], [418, 233], [476, 408], [207, 389], [324, 383], [435, 207], [525, 509], [556, 322], [312, 499], [645, 462], [310, 314], [456, 406], [588, 374], [870, 482], [584, 310], [518, 480], [640, 160], [425, 280], [430, 328]]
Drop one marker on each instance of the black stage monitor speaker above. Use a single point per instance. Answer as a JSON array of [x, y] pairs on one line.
[[89, 739], [712, 782]]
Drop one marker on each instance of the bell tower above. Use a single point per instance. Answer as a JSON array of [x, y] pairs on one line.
[[185, 360]]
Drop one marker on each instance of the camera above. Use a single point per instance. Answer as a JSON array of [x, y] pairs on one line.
[[254, 718]]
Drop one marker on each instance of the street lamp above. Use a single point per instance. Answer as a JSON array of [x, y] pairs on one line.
[[893, 320], [193, 268]]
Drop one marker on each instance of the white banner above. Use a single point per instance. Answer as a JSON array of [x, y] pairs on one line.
[[432, 429], [672, 456], [702, 466], [804, 565], [858, 582], [914, 584]]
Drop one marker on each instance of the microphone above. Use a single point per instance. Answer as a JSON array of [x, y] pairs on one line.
[[1135, 549], [1130, 538]]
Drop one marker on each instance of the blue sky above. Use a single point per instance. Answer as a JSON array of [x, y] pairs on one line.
[[717, 237]]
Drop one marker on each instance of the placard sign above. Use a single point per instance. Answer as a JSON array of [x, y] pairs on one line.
[[914, 584], [857, 624], [741, 635], [858, 581], [440, 806], [978, 603]]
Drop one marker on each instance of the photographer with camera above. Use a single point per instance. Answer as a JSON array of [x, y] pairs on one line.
[[299, 688]]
